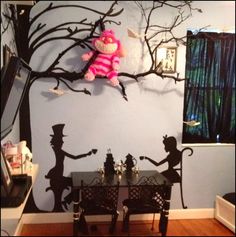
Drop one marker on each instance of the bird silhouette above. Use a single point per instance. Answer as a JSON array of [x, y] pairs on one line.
[[57, 91], [192, 123], [133, 34]]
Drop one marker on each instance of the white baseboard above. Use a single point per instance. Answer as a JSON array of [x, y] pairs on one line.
[[202, 213], [67, 217]]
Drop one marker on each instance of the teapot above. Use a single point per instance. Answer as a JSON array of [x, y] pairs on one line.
[[130, 162], [109, 164]]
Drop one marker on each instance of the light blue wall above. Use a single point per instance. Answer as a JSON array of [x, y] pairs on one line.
[[105, 120]]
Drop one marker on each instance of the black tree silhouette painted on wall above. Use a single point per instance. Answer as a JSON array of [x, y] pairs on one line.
[[72, 32], [81, 32], [58, 182], [31, 35]]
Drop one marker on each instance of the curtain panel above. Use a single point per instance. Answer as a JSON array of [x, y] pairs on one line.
[[210, 88]]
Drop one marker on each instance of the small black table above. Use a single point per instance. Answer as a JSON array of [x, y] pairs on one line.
[[124, 180]]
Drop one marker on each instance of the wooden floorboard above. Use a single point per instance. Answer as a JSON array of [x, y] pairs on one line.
[[196, 227]]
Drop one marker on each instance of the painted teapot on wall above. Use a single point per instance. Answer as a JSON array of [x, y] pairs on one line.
[[130, 163]]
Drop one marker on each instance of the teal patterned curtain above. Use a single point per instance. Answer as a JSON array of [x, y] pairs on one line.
[[210, 88]]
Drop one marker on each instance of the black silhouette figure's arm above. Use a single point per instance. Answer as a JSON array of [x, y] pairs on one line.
[[75, 157], [153, 161]]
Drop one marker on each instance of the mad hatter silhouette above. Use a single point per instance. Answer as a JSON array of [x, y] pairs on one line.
[[58, 182]]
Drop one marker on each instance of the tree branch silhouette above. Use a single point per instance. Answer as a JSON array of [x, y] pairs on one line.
[[71, 30]]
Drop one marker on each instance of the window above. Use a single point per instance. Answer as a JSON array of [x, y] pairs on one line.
[[209, 97]]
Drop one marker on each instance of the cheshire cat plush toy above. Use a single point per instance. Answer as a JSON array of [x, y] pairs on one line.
[[107, 61]]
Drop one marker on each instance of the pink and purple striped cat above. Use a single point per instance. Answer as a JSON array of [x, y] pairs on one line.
[[107, 61]]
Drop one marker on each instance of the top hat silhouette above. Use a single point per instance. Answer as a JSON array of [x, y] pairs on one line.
[[57, 130]]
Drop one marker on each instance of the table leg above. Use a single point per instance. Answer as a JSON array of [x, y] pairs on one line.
[[165, 212], [163, 223], [82, 224], [76, 213], [79, 222]]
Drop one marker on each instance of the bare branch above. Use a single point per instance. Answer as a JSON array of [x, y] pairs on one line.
[[151, 39], [51, 7]]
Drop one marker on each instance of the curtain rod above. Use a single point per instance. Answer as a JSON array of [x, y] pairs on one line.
[[214, 30]]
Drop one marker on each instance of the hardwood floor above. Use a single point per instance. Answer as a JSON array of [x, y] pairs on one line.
[[196, 227]]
